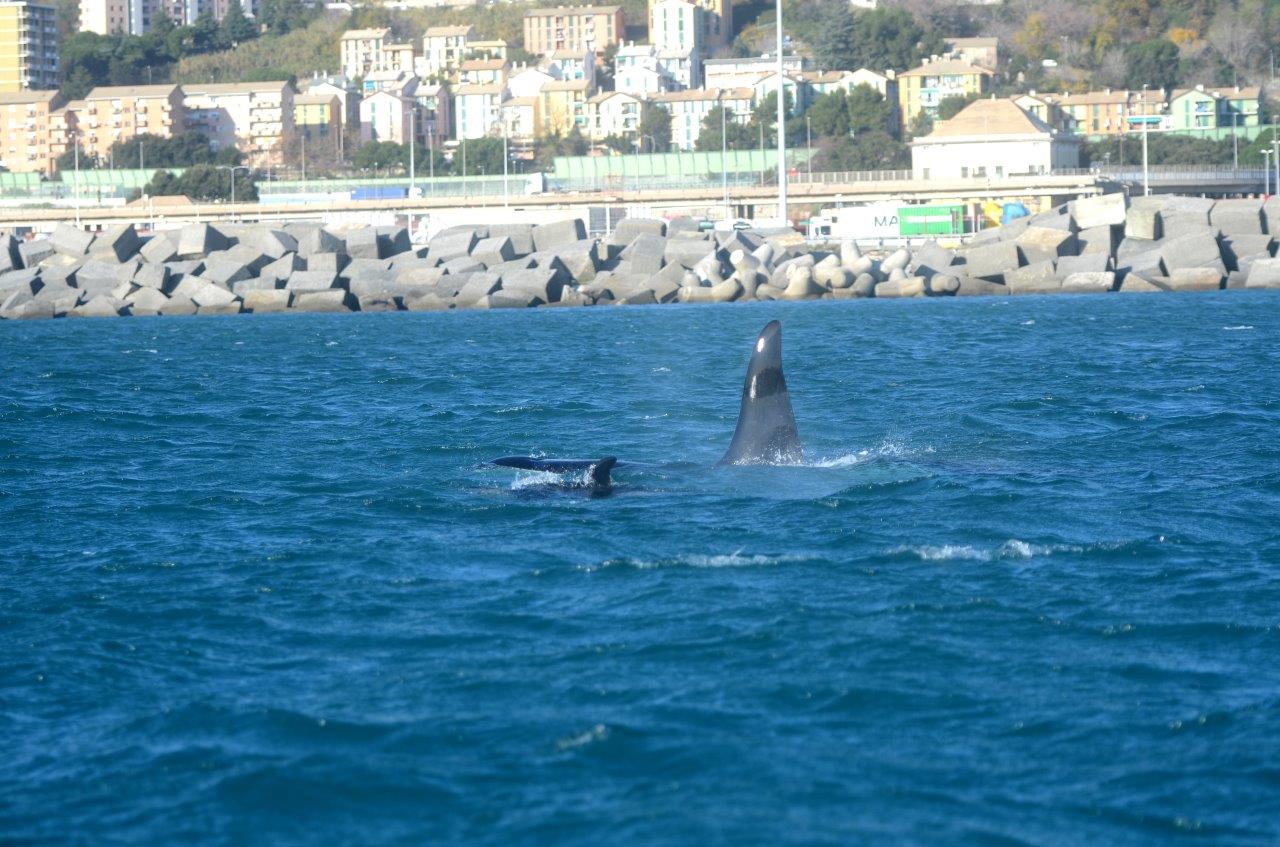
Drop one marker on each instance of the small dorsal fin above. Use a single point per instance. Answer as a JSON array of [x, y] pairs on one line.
[[766, 432]]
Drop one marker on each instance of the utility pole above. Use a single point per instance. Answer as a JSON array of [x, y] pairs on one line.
[[782, 121], [1275, 155], [724, 153], [77, 185], [413, 142]]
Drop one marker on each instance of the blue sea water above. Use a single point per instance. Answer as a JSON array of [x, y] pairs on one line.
[[257, 588]]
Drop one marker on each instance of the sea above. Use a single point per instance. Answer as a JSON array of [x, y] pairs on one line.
[[258, 584]]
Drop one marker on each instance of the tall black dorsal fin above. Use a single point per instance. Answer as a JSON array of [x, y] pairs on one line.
[[766, 432]]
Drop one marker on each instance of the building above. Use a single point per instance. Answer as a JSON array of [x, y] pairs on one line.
[[444, 48], [30, 138], [922, 89], [821, 83], [566, 65], [385, 116], [797, 92], [119, 113], [361, 51], [319, 121], [983, 52], [385, 81], [528, 82], [476, 110], [575, 28], [635, 70], [690, 108], [1203, 108], [613, 113], [741, 73], [344, 89], [495, 49], [564, 105], [676, 25], [992, 139], [434, 120], [522, 121], [680, 69], [255, 117], [137, 17], [715, 23], [483, 72], [28, 46]]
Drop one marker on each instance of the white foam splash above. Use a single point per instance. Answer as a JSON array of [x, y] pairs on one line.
[[599, 732], [1012, 549], [1241, 328], [737, 559], [885, 450]]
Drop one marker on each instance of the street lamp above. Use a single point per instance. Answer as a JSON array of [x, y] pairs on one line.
[[782, 121], [808, 132], [724, 153], [233, 169], [1266, 173]]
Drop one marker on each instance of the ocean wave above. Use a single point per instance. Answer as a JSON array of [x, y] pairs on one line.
[[697, 560], [1012, 549], [886, 450]]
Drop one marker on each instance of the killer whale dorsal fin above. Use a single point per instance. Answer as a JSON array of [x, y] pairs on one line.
[[766, 432]]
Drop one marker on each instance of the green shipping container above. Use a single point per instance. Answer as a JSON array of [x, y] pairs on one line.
[[931, 220]]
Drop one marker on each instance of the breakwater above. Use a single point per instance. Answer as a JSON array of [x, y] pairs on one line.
[[1092, 245]]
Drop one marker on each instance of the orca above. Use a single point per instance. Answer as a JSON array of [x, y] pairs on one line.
[[766, 433]]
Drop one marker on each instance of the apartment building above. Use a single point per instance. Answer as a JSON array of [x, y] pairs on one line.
[[386, 116], [435, 113], [318, 118], [118, 113], [255, 117], [522, 121], [483, 72], [576, 28], [714, 22], [690, 108], [613, 113], [564, 105], [922, 89], [28, 134], [137, 17], [740, 73], [477, 109], [992, 139], [1205, 107], [362, 51], [444, 48], [28, 46], [676, 24]]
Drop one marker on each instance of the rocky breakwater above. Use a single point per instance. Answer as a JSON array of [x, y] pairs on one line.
[[1094, 245]]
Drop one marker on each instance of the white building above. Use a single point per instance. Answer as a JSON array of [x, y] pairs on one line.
[[682, 68], [444, 48], [675, 25], [385, 116], [361, 51], [477, 108], [567, 65], [528, 82], [690, 108], [739, 73], [613, 113], [256, 117], [992, 139]]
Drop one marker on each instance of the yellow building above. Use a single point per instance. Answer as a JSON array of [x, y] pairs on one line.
[[564, 105], [922, 89], [30, 139], [317, 116], [28, 46]]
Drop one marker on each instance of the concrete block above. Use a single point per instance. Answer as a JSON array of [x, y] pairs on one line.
[[363, 243], [1197, 250], [913, 286], [259, 283], [1086, 282], [629, 229], [1039, 278], [335, 300], [1085, 263], [265, 301], [316, 241], [462, 265], [128, 269], [942, 285], [928, 259], [1238, 217], [196, 241], [447, 246], [1196, 279], [1143, 223], [1104, 210], [646, 254], [9, 257], [974, 287], [520, 236], [219, 309], [1144, 264], [1264, 273], [224, 272], [377, 303], [118, 242], [428, 302], [1098, 239], [1185, 215], [1039, 243], [1238, 249], [1271, 214], [897, 260], [992, 261], [179, 306], [34, 252], [477, 285], [643, 297], [419, 276], [688, 252], [381, 284], [205, 293], [95, 276], [146, 301], [493, 251], [311, 281], [275, 243], [70, 240], [559, 234], [363, 267], [539, 282], [394, 240], [1142, 284], [101, 306], [281, 269], [328, 262]]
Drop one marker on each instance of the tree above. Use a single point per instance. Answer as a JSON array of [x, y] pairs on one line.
[[954, 104], [1153, 63], [67, 161], [204, 182], [873, 151], [736, 136], [378, 155], [235, 27], [888, 37], [655, 124], [484, 156], [834, 44], [180, 151], [921, 125]]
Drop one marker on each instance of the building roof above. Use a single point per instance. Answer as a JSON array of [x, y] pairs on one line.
[[354, 34], [606, 95], [472, 88], [116, 92], [972, 42], [1251, 92], [567, 85], [217, 88], [572, 10], [483, 65], [1090, 98], [952, 67], [315, 100], [15, 98], [520, 101], [445, 31], [985, 118], [561, 55]]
